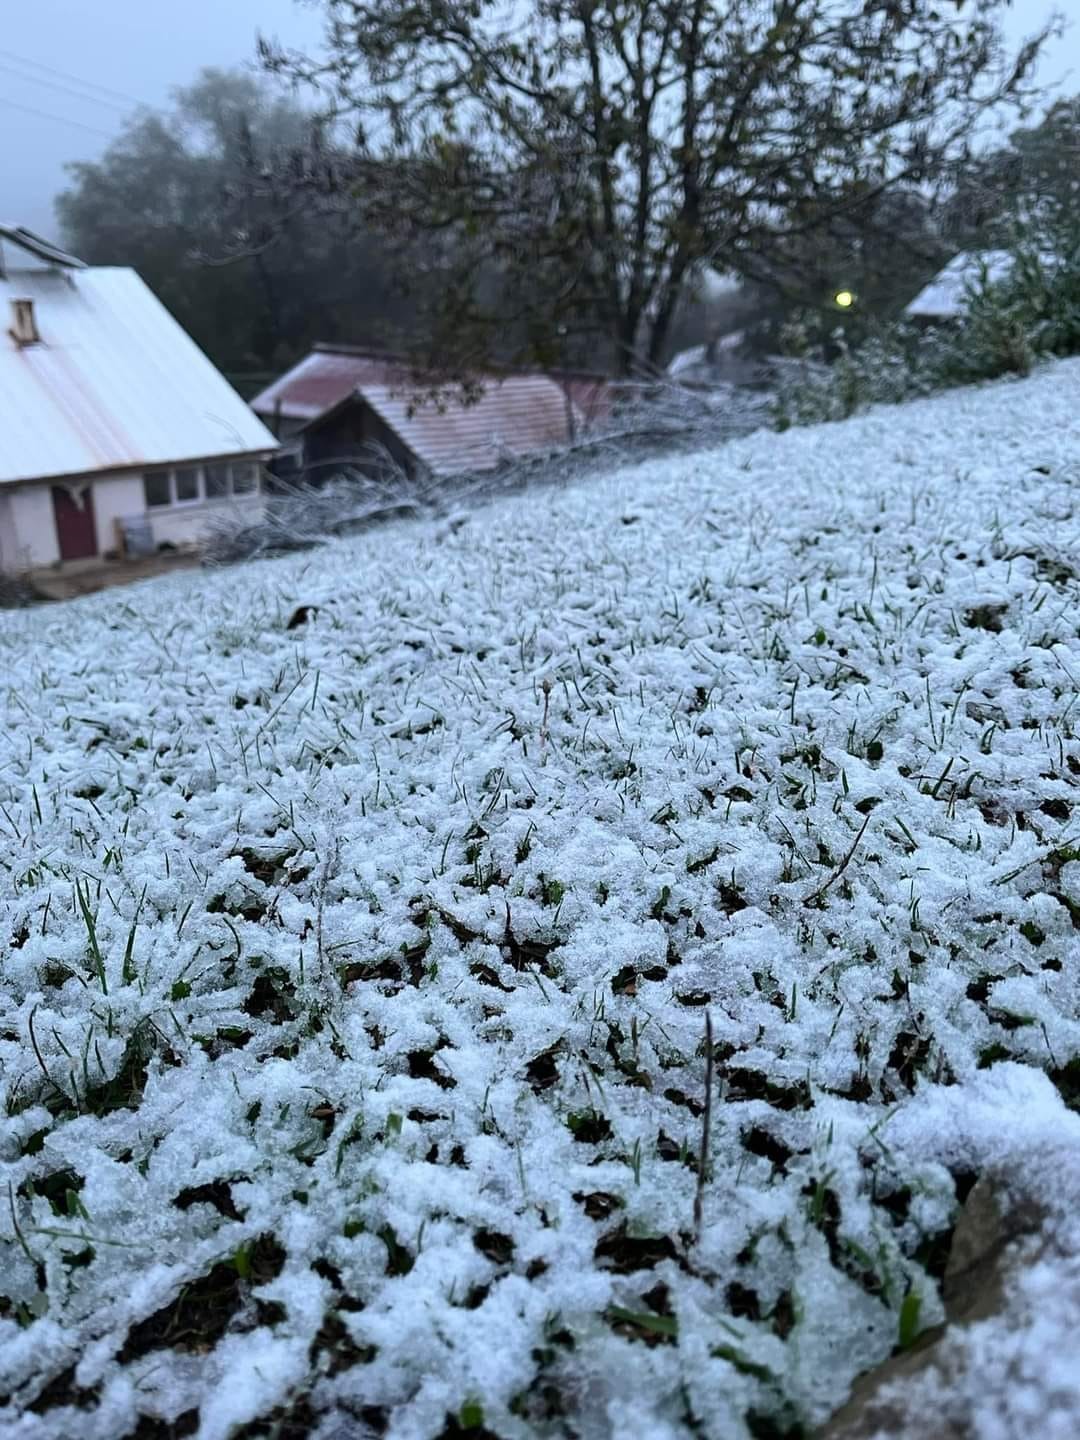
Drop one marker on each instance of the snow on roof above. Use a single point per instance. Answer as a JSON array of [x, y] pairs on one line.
[[114, 383], [514, 416], [688, 359], [701, 355], [945, 298], [323, 379]]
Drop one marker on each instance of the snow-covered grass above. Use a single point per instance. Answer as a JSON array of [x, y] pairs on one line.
[[361, 912]]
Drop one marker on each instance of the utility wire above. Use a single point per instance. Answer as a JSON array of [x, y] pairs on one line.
[[75, 79], [63, 119], [64, 89]]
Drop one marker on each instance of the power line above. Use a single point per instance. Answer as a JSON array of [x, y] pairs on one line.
[[76, 79], [48, 115], [64, 89]]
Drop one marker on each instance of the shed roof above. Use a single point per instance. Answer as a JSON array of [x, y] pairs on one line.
[[945, 298], [115, 382], [331, 373], [323, 379], [514, 416]]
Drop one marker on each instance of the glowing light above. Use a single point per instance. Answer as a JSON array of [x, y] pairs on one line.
[[845, 299]]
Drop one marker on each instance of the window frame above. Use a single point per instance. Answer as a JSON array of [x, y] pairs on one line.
[[156, 475], [201, 472], [224, 467], [199, 497], [252, 467]]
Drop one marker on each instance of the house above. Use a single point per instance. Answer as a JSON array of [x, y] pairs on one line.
[[318, 382], [724, 360], [314, 386], [945, 299], [442, 434], [295, 405], [116, 431]]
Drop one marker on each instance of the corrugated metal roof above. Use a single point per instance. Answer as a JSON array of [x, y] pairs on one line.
[[328, 375], [322, 380], [513, 416], [115, 383], [945, 298]]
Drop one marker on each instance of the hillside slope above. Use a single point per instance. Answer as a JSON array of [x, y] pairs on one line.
[[363, 911]]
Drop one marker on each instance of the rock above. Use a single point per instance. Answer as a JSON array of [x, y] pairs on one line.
[[1005, 1247], [980, 1260], [983, 712], [301, 615]]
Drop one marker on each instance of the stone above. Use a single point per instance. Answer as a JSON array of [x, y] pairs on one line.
[[933, 1390]]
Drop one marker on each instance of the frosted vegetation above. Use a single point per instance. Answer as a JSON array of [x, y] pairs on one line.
[[362, 910]]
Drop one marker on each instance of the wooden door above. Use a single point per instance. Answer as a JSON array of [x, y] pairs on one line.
[[75, 529]]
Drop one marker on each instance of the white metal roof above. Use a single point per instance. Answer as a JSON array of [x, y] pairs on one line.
[[945, 298], [115, 382]]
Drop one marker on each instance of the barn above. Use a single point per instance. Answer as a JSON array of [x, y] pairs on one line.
[[116, 432], [443, 435], [347, 403]]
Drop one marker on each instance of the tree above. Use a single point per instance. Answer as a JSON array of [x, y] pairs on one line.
[[1032, 181], [588, 157], [175, 197], [878, 254]]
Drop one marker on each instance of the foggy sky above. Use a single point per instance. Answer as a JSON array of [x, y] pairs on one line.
[[139, 50]]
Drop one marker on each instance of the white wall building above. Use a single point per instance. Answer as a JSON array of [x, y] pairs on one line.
[[116, 431], [946, 297]]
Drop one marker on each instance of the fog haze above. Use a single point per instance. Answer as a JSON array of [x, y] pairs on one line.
[[72, 71]]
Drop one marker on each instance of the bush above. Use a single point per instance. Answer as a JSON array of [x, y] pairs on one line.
[[1007, 326], [18, 591], [887, 369]]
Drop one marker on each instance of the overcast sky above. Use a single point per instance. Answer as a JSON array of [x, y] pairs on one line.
[[71, 69]]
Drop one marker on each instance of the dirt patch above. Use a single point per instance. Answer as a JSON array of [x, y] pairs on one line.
[[61, 584]]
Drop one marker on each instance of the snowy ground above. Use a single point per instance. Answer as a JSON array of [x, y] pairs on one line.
[[353, 988]]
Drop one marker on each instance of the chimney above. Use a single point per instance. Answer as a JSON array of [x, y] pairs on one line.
[[24, 329]]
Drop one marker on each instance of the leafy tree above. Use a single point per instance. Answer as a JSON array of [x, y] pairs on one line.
[[1032, 181], [175, 198], [584, 158], [877, 254]]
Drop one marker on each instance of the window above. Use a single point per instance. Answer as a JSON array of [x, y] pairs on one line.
[[217, 482], [187, 486], [157, 490], [245, 479], [191, 484]]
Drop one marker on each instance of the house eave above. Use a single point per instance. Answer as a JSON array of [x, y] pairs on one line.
[[140, 467]]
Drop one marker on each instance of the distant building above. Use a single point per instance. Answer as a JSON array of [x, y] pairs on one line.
[[322, 380], [389, 409], [724, 360], [513, 416], [945, 298], [116, 431]]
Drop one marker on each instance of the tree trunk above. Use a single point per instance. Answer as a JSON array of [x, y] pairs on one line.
[[669, 304]]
